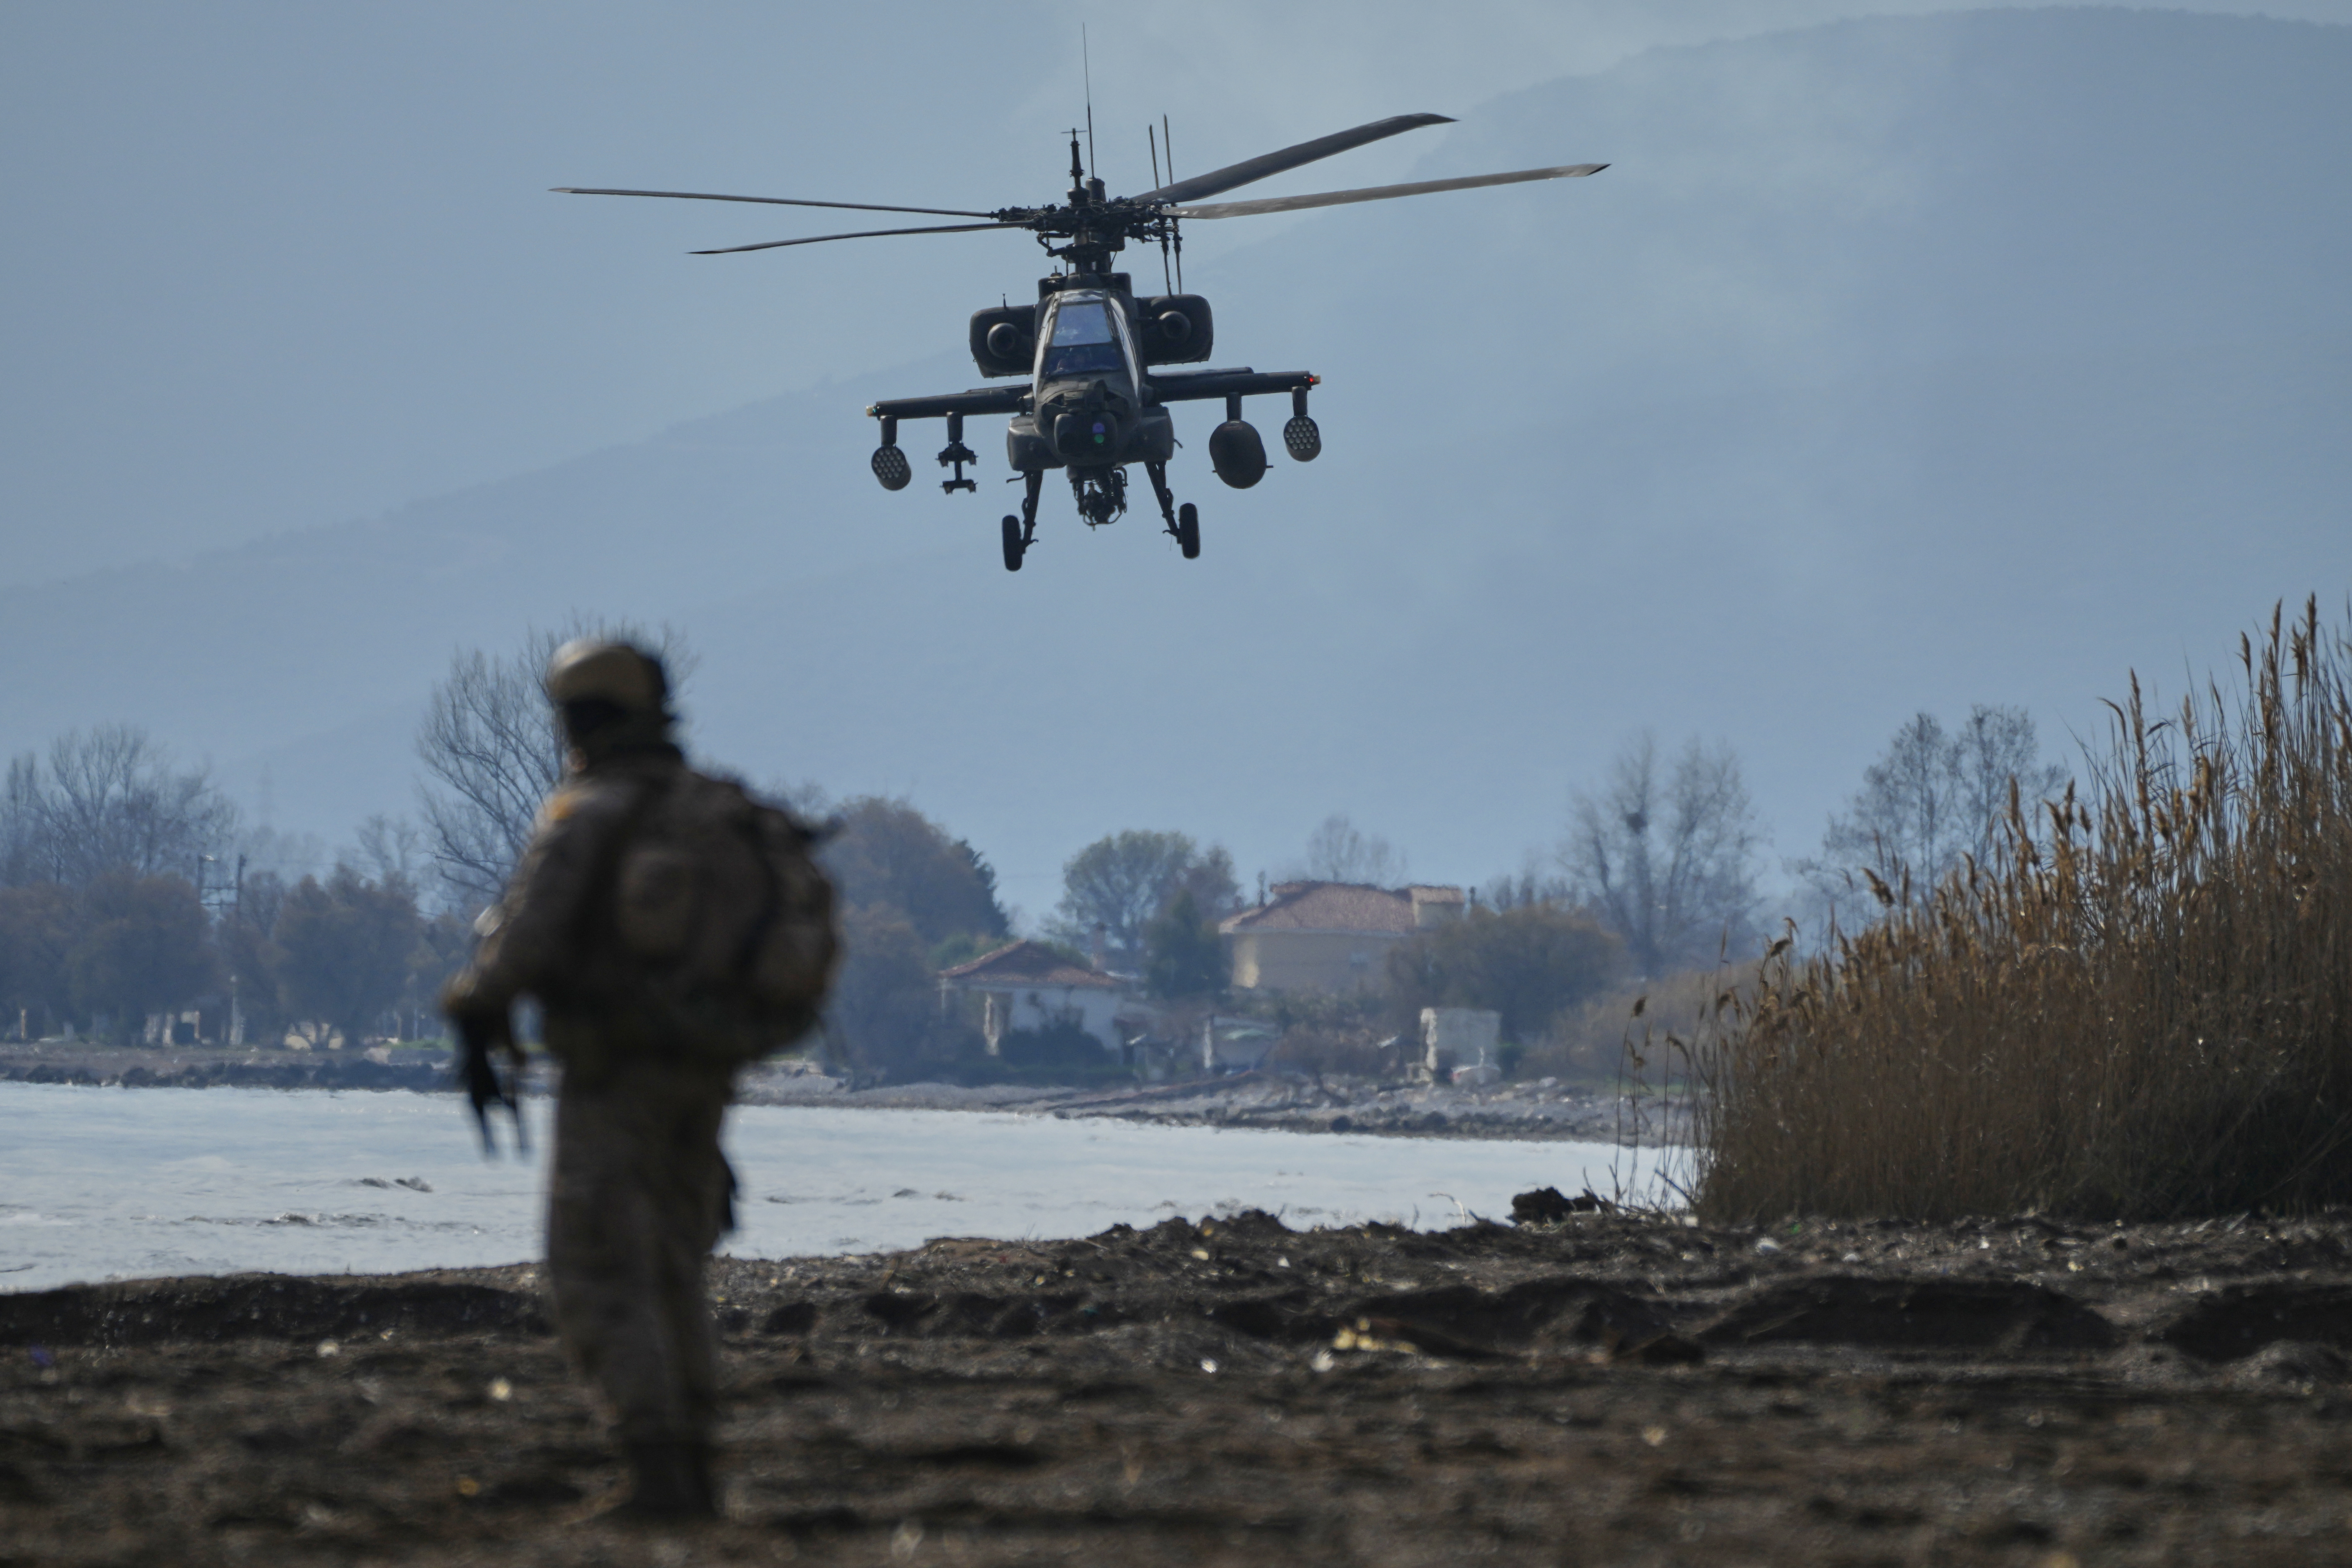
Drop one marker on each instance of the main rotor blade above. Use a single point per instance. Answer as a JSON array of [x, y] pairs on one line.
[[1258, 168], [1382, 192], [765, 201], [862, 234]]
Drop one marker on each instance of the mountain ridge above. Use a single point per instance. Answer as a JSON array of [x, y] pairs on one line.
[[1650, 453]]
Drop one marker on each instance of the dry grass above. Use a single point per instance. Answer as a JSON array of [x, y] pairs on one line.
[[1589, 1043], [2143, 1010]]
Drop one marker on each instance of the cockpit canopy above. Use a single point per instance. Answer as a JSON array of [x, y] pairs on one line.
[[1087, 338]]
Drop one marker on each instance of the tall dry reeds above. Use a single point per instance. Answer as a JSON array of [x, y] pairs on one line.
[[2143, 1009]]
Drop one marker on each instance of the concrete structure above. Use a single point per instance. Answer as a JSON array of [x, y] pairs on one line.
[[1236, 1044], [1458, 1044], [1330, 937], [1030, 987]]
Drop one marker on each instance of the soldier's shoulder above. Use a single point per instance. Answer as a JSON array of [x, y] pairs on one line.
[[726, 794], [717, 783], [587, 799]]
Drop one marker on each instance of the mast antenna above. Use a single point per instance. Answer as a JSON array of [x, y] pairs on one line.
[[1168, 145], [1087, 62], [1151, 137]]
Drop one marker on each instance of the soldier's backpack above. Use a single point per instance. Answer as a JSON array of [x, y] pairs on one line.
[[724, 916]]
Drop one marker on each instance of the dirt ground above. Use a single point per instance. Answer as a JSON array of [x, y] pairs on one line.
[[1601, 1389]]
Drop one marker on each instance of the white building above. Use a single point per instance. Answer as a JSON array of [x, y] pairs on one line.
[[1028, 986]]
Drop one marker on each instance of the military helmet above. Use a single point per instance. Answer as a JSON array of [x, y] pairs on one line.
[[592, 669]]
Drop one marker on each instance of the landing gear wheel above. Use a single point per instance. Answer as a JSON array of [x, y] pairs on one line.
[[1188, 530], [1014, 548]]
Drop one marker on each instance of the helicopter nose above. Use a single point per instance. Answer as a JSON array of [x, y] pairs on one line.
[[1078, 436]]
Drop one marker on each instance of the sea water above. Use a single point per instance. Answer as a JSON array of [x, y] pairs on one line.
[[114, 1183]]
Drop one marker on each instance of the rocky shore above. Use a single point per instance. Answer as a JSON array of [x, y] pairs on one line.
[[1541, 1110], [1596, 1387], [200, 1067]]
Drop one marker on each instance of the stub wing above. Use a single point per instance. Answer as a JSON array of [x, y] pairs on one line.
[[980, 400], [1178, 386]]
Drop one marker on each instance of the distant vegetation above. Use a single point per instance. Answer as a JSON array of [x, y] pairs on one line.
[[913, 899], [2138, 1005], [1120, 884], [493, 747], [2000, 990], [121, 900], [1664, 853]]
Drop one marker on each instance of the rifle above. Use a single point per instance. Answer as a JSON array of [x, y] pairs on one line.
[[477, 1035]]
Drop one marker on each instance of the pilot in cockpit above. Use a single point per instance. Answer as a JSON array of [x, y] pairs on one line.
[[1085, 343]]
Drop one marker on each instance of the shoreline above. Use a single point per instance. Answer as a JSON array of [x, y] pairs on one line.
[[1539, 1112], [1994, 1391]]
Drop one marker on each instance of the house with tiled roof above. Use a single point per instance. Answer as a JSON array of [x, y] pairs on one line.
[[1029, 985], [1330, 937]]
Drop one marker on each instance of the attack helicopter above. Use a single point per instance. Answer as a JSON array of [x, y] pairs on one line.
[[1099, 365]]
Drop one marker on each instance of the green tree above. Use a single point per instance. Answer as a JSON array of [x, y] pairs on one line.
[[444, 944], [1121, 882], [145, 947], [252, 959], [885, 852], [882, 1007], [1183, 954], [346, 946], [40, 924], [1526, 963]]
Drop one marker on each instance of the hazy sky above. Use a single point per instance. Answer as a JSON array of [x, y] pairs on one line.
[[2011, 349], [275, 265]]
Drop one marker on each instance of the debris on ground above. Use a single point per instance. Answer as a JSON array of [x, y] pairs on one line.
[[1996, 1391]]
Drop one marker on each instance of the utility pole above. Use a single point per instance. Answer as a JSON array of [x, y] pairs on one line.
[[225, 899]]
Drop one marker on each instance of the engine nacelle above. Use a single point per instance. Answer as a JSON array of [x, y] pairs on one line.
[[1174, 329], [1004, 340], [1237, 454]]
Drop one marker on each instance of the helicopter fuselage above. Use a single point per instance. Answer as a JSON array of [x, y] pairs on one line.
[[1087, 405], [1094, 360]]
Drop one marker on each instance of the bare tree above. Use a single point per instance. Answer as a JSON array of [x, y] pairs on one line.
[[1932, 798], [1666, 856], [388, 850], [1535, 883], [492, 749], [23, 855], [109, 800], [1337, 851]]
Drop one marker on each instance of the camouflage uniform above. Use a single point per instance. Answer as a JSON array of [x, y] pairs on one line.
[[640, 1191]]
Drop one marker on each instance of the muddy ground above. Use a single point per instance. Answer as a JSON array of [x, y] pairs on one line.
[[1598, 1389]]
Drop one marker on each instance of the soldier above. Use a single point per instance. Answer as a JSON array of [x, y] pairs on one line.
[[671, 929]]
